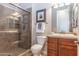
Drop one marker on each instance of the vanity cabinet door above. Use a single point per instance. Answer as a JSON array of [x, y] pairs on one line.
[[62, 46], [67, 47], [52, 52], [52, 46], [67, 50]]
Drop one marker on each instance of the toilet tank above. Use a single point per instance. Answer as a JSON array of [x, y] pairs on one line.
[[41, 39]]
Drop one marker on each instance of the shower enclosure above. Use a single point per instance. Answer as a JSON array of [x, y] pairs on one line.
[[15, 30]]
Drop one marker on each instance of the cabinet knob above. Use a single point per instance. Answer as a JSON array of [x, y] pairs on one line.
[[76, 42]]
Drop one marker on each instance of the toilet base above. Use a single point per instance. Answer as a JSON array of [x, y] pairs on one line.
[[37, 55]]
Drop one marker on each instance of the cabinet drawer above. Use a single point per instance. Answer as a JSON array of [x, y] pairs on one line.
[[52, 52], [70, 42], [52, 45], [52, 40], [67, 50]]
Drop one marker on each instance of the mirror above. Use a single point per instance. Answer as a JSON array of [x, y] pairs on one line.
[[64, 17], [63, 20]]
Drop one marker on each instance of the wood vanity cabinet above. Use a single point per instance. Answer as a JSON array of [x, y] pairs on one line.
[[52, 46], [62, 46]]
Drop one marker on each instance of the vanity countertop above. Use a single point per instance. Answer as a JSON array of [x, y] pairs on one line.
[[57, 35]]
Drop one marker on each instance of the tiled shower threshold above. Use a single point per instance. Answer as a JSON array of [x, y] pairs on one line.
[[15, 52]]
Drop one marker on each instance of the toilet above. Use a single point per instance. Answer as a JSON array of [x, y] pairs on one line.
[[36, 48]]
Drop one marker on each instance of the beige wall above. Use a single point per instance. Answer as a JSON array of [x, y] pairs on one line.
[[39, 6]]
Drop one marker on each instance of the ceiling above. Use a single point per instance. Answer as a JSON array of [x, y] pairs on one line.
[[4, 11], [24, 6]]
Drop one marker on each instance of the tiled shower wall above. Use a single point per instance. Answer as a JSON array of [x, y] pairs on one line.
[[7, 40]]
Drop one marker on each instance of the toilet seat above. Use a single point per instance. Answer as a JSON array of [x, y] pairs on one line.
[[36, 46], [36, 49]]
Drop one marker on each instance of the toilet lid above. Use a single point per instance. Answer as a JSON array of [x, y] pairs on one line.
[[36, 46]]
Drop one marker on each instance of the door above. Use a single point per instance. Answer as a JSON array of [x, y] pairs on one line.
[[25, 31]]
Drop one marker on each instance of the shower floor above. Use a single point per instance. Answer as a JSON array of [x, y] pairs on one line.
[[12, 52]]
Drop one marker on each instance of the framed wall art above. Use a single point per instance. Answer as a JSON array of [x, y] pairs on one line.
[[41, 15], [40, 27]]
